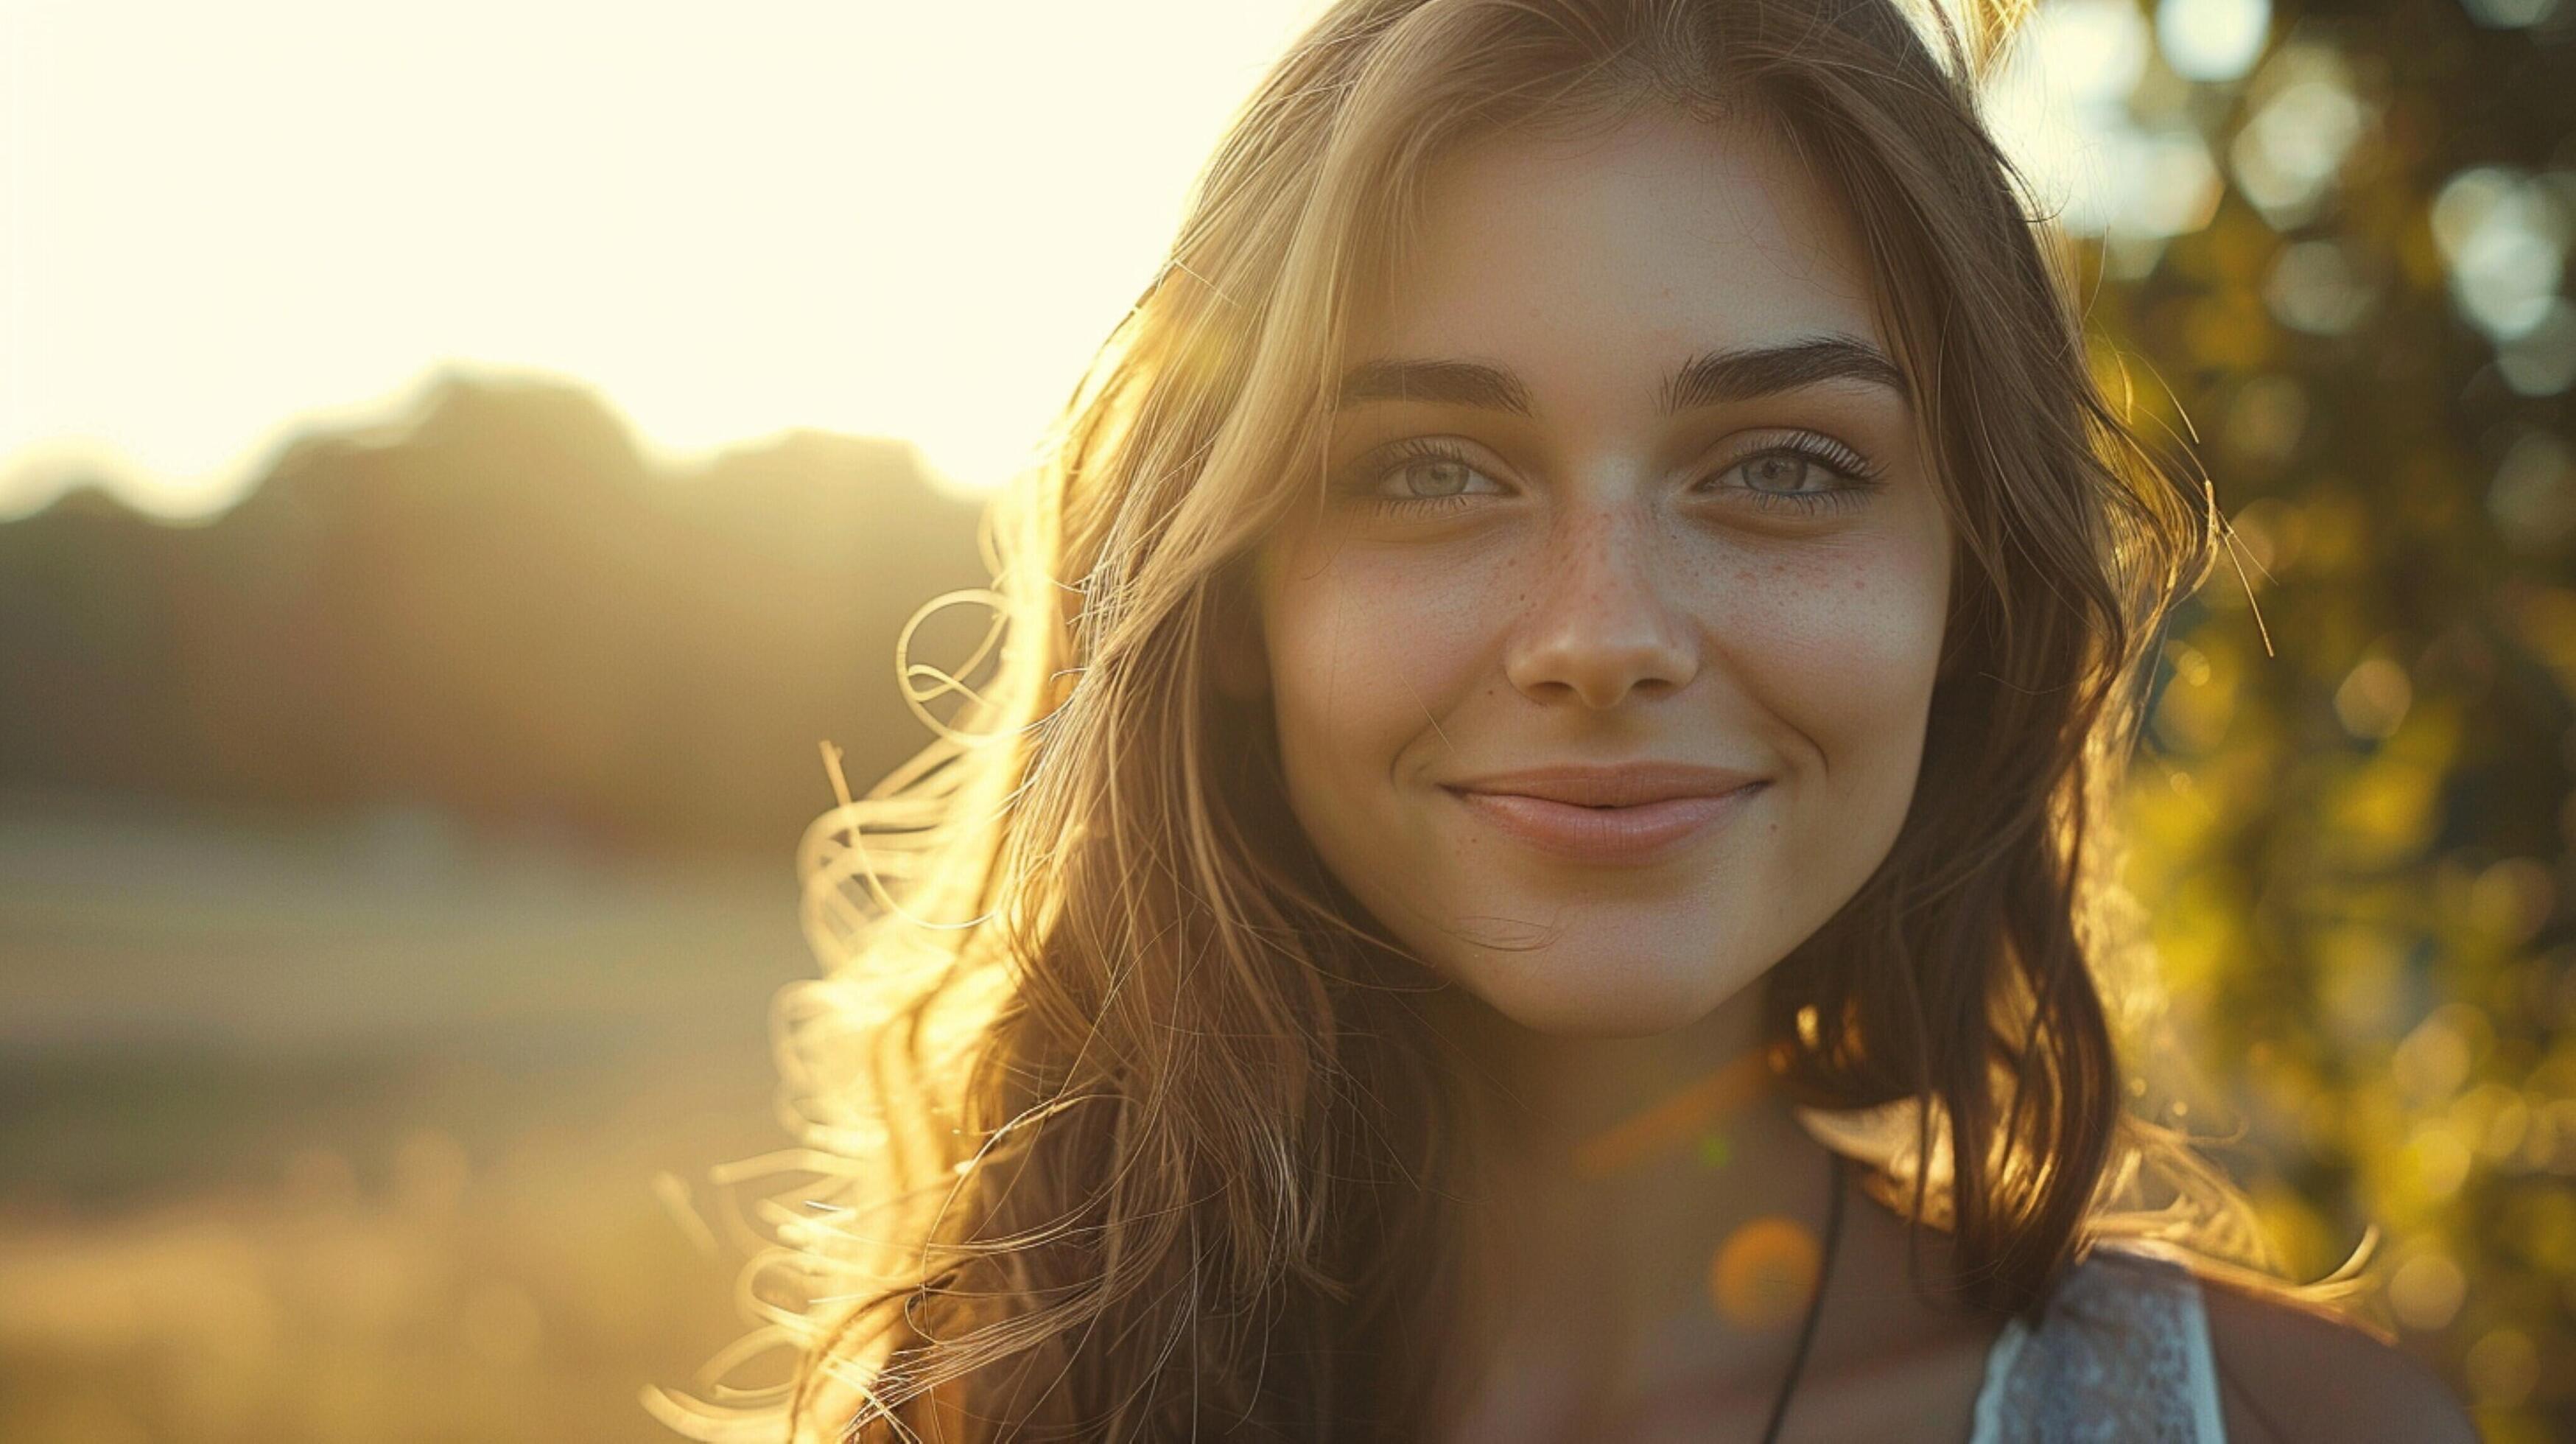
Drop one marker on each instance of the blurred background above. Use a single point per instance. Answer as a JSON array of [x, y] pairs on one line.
[[456, 463]]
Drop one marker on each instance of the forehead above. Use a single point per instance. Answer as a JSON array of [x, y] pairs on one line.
[[1617, 252]]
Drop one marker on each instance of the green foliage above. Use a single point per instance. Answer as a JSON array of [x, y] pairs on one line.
[[2352, 810]]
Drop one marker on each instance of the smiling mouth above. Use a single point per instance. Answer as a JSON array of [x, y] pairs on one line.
[[1586, 832]]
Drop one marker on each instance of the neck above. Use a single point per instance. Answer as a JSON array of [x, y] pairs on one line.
[[1593, 1106], [1644, 1209]]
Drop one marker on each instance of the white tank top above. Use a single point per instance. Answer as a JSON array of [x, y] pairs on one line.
[[2121, 1354]]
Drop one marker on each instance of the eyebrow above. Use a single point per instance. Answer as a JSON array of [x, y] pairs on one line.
[[1709, 379]]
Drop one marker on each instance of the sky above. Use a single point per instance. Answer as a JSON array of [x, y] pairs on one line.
[[222, 223]]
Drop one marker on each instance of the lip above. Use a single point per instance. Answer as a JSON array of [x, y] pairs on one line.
[[1624, 814]]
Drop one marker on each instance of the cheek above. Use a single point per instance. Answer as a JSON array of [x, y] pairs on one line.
[[1366, 646], [1369, 651], [1848, 652]]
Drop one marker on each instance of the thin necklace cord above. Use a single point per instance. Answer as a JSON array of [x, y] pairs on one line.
[[1816, 1305]]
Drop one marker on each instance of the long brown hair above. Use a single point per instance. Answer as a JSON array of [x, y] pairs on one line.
[[1117, 1116]]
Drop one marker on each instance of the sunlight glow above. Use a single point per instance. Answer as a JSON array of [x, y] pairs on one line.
[[218, 223]]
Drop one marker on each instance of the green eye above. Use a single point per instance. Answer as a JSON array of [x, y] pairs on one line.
[[1418, 473], [1802, 472], [1774, 476], [1778, 472], [1433, 476]]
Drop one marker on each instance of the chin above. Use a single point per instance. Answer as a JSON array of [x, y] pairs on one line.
[[1594, 998]]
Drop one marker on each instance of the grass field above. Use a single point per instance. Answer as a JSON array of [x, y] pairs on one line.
[[369, 1132]]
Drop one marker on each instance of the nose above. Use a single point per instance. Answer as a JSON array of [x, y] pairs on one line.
[[1599, 626]]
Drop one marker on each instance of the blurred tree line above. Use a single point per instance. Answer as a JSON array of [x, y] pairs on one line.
[[496, 611]]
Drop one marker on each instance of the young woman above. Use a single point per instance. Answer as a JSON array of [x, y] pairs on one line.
[[1528, 866]]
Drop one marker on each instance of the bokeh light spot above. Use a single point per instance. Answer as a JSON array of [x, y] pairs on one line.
[[2502, 1367], [1764, 1274], [2373, 698], [2213, 40], [2426, 1291]]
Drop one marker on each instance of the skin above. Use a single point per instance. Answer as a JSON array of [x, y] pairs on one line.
[[1599, 581], [1613, 584]]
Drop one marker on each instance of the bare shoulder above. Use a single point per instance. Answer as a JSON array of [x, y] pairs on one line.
[[2290, 1373]]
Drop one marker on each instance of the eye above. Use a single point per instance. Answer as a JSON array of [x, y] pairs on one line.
[[1803, 472], [1417, 475]]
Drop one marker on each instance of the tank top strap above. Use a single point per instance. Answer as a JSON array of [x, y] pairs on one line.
[[2121, 1353]]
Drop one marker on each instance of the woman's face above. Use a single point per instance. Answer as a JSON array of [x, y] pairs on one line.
[[1601, 677]]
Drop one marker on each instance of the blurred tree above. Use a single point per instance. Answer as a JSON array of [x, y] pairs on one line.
[[2354, 812]]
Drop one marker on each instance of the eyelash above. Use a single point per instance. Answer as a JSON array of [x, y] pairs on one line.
[[1859, 476]]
